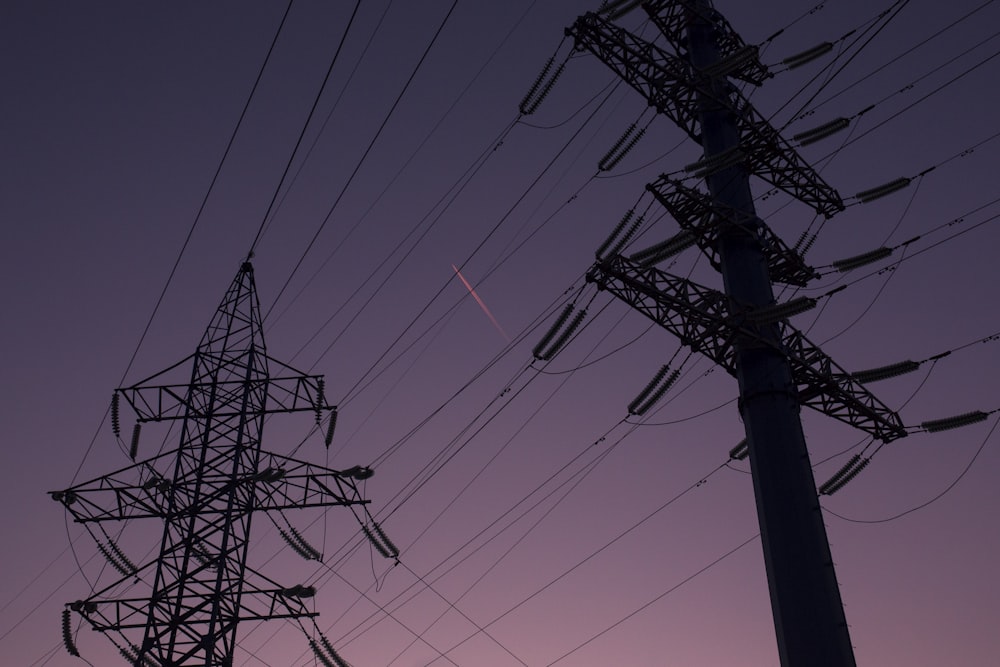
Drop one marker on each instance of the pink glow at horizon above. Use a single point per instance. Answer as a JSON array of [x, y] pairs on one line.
[[538, 522]]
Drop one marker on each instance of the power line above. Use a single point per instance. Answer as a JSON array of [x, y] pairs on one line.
[[305, 126], [361, 160], [190, 233]]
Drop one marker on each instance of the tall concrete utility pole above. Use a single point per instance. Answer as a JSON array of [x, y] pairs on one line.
[[742, 328], [805, 599]]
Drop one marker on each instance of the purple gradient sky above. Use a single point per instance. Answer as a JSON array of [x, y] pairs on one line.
[[116, 115]]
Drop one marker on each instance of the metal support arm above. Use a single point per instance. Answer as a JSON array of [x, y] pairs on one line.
[[704, 320], [670, 85], [281, 483], [672, 17], [706, 218]]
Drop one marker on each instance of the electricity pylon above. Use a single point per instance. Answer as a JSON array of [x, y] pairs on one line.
[[206, 493], [742, 329]]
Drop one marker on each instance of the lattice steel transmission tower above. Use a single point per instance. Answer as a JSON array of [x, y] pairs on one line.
[[742, 328], [206, 493]]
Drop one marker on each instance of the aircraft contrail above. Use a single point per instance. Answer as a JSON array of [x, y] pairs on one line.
[[481, 304]]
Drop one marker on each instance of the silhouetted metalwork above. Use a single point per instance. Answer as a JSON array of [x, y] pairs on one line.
[[704, 320], [707, 218], [737, 59], [744, 329], [671, 84], [201, 585]]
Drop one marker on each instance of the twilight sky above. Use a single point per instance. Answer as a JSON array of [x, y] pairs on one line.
[[537, 525]]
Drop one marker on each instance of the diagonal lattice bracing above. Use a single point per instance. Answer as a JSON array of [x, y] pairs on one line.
[[669, 84], [704, 320], [740, 60], [206, 493], [707, 218]]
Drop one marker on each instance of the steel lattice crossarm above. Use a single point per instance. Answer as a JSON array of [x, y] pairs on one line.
[[736, 57], [191, 645], [109, 614], [281, 483], [295, 392], [706, 218], [703, 320], [669, 84]]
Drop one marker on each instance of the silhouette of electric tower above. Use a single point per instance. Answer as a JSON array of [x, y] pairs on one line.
[[206, 493], [743, 328]]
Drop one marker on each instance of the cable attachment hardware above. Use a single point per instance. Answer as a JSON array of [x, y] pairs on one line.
[[320, 399], [615, 9], [116, 427], [379, 540], [117, 558], [870, 257], [781, 311], [807, 56], [134, 447], [616, 239], [308, 548], [740, 451], [848, 472], [544, 350], [621, 148], [886, 372], [872, 194], [299, 545], [948, 423], [713, 164], [539, 90], [327, 655], [67, 632], [675, 245], [821, 132], [735, 61], [653, 391], [331, 427], [131, 654]]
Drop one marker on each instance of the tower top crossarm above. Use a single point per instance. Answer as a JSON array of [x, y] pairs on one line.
[[740, 60], [676, 90]]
